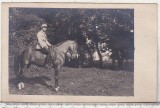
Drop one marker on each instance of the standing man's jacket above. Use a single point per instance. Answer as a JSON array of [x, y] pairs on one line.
[[42, 40]]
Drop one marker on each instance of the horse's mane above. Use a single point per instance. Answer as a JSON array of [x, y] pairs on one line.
[[59, 44]]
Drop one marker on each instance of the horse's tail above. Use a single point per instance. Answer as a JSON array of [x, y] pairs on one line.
[[17, 64]]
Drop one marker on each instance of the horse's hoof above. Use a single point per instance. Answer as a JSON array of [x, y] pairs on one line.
[[20, 85], [56, 89]]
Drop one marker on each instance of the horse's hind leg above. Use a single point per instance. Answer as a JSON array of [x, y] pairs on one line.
[[20, 78]]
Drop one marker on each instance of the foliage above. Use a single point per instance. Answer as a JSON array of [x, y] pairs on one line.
[[99, 25]]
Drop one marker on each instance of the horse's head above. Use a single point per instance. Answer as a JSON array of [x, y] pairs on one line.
[[72, 50]]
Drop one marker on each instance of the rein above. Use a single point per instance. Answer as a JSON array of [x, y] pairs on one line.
[[67, 46]]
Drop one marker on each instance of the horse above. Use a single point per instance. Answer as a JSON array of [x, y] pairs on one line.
[[30, 55]]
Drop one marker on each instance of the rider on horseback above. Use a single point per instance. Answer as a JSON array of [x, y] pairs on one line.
[[44, 45]]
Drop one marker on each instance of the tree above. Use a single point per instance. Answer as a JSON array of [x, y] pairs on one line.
[[99, 25]]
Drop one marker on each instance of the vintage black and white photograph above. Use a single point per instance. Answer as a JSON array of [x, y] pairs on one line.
[[71, 51]]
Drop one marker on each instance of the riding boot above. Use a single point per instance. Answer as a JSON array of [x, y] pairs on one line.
[[48, 62]]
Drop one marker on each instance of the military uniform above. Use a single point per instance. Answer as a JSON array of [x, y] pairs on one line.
[[42, 40], [44, 46]]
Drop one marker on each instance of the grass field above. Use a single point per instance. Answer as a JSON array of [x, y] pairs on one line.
[[74, 81]]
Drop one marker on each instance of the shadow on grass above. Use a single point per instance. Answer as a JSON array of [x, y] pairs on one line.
[[35, 80]]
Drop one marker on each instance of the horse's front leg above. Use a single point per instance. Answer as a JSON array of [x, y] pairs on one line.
[[57, 70]]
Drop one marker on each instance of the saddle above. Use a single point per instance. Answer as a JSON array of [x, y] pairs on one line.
[[41, 51], [51, 52]]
